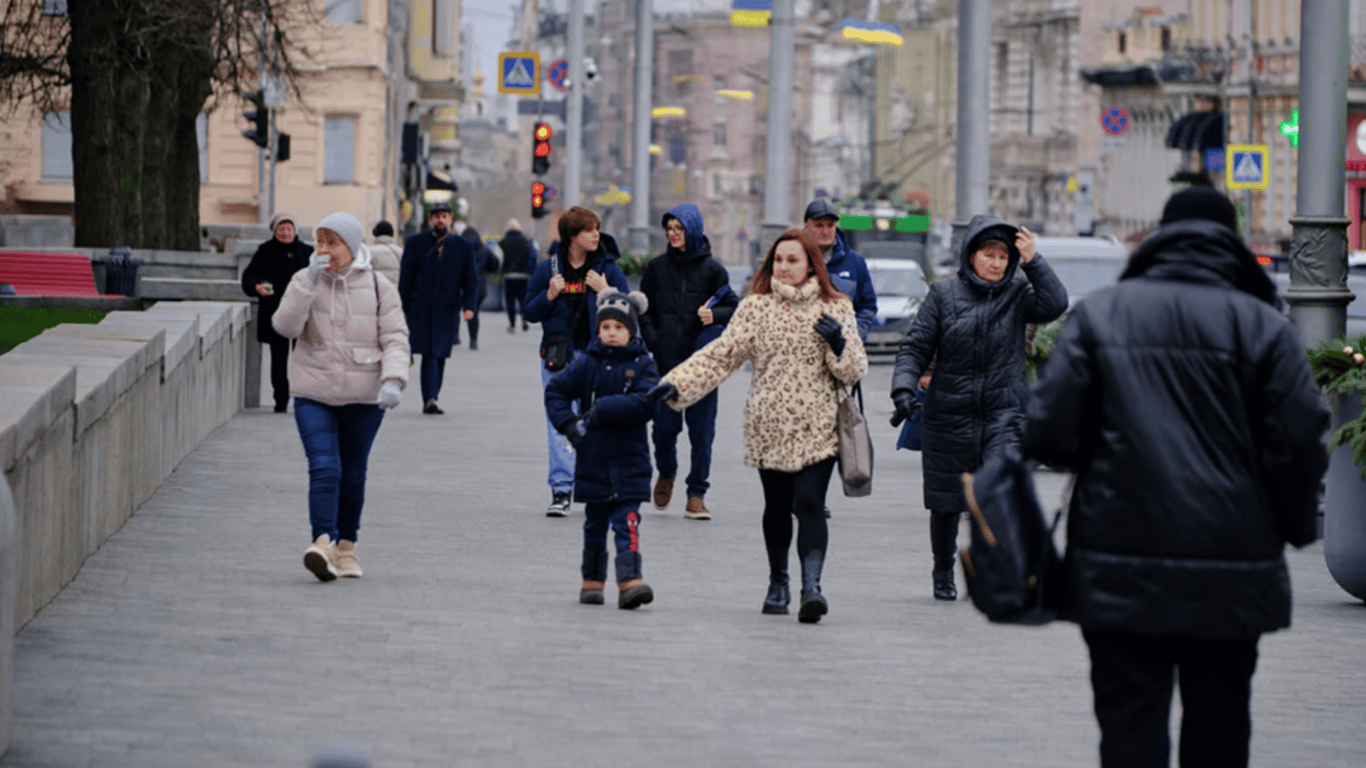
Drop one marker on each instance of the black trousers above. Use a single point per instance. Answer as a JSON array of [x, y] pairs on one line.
[[279, 370], [514, 293], [1132, 677], [799, 495]]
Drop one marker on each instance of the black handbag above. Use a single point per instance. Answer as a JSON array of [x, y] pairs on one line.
[[1014, 573], [555, 353]]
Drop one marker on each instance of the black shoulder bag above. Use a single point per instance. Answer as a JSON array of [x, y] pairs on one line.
[[556, 350]]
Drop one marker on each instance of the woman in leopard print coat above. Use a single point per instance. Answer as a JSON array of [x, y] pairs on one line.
[[802, 337]]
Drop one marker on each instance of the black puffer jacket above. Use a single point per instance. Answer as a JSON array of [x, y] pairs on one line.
[[1182, 398], [275, 263], [677, 284], [975, 404]]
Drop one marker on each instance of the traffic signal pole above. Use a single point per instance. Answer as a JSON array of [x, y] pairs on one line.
[[573, 167], [974, 114], [781, 56], [262, 215], [639, 233]]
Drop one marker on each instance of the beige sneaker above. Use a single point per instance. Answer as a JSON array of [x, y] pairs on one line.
[[347, 564], [320, 558], [664, 491], [696, 509]]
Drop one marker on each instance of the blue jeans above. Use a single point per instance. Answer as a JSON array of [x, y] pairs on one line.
[[561, 477], [433, 371], [337, 440], [621, 516], [701, 418]]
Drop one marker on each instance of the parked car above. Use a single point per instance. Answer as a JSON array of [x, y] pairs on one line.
[[900, 286], [740, 278], [880, 250], [1083, 264]]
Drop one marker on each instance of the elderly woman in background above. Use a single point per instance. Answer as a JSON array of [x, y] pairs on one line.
[[973, 326], [274, 263], [802, 337]]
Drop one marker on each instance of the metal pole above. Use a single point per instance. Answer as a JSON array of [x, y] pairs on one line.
[[781, 54], [274, 150], [573, 167], [1318, 292], [1248, 61], [261, 214], [974, 114], [639, 233]]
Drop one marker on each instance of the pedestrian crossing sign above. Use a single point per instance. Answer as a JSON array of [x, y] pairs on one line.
[[1245, 166], [519, 72]]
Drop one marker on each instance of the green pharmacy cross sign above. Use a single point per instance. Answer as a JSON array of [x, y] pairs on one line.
[[1291, 128]]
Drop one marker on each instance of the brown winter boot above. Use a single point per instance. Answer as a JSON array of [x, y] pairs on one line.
[[347, 564], [664, 491], [696, 509]]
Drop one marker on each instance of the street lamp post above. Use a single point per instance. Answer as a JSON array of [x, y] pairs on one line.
[[639, 233], [974, 114], [781, 55]]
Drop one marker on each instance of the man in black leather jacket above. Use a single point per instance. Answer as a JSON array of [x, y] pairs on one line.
[[1182, 399]]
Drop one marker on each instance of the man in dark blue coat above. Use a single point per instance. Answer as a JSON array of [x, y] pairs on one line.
[[437, 277], [848, 272], [681, 285], [1182, 399]]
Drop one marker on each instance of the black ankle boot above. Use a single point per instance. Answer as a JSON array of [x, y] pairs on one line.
[[943, 538], [628, 572], [779, 595], [813, 605], [594, 569]]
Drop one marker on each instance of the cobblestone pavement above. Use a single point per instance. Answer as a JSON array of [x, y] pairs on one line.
[[195, 637]]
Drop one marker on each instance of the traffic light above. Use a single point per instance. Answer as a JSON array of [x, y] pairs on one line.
[[537, 199], [260, 132], [540, 148]]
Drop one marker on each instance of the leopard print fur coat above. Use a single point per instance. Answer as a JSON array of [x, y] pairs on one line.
[[790, 411]]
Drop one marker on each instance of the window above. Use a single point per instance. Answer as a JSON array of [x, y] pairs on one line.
[[339, 12], [441, 25], [719, 83], [718, 135], [718, 186], [56, 140], [680, 70], [201, 132], [54, 7], [1166, 38], [339, 150], [1123, 42], [678, 147]]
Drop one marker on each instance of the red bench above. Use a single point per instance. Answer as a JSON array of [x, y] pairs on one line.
[[48, 274]]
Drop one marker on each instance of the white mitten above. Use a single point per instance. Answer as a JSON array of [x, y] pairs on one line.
[[316, 264], [389, 395]]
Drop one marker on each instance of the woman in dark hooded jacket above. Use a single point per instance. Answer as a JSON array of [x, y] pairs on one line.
[[974, 326], [270, 270]]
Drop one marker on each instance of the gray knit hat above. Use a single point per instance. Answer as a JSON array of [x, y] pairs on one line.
[[347, 228]]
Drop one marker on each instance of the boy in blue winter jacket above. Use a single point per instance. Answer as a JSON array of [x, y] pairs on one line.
[[612, 453]]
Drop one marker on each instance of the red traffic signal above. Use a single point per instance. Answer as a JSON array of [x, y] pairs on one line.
[[540, 148], [537, 200]]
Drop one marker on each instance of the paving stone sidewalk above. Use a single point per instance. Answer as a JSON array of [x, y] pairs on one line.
[[195, 637]]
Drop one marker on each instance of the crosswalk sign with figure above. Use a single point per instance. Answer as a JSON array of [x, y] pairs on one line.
[[1246, 166], [519, 72]]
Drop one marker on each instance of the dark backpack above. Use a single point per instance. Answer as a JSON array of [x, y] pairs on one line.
[[1013, 570]]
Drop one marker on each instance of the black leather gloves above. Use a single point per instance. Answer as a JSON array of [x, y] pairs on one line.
[[829, 327], [905, 403], [663, 391], [576, 431]]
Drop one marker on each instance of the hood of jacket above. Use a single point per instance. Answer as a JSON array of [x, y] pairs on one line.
[[695, 240], [1201, 251], [984, 227]]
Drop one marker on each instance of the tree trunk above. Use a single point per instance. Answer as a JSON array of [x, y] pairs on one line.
[[134, 101]]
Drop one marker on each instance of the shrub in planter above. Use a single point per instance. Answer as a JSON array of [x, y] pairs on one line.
[[1039, 347], [1339, 367]]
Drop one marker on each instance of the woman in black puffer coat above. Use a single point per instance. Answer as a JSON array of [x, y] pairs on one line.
[[975, 325]]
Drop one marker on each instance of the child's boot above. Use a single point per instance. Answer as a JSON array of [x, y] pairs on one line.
[[594, 573], [633, 592]]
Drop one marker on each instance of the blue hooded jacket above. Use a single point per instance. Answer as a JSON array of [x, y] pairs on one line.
[[612, 462], [677, 283], [556, 317], [849, 275]]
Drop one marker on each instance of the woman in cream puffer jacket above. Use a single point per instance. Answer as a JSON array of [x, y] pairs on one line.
[[349, 366], [803, 340]]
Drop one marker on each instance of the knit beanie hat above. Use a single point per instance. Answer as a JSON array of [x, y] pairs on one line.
[[279, 217], [1200, 203], [625, 307], [347, 228]]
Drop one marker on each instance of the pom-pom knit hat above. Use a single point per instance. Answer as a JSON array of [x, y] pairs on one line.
[[625, 307]]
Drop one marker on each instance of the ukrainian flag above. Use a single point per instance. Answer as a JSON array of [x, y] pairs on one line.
[[871, 32], [751, 13]]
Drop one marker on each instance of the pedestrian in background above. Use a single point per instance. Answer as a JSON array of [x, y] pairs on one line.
[[562, 297], [973, 327], [519, 261], [350, 366], [436, 279], [484, 263], [265, 278], [384, 252], [1182, 400], [800, 333], [681, 286], [610, 383]]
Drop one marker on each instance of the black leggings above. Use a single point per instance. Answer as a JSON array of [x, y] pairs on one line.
[[799, 494]]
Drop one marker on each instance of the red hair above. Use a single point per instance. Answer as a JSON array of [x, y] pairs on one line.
[[763, 281]]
